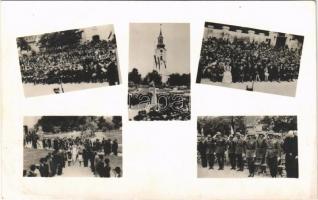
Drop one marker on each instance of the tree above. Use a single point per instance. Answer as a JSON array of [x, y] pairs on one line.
[[153, 77], [117, 121], [134, 76], [221, 124], [177, 79], [23, 44], [104, 125], [62, 38], [279, 123]]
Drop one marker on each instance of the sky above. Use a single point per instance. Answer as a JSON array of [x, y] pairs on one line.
[[143, 39], [30, 121]]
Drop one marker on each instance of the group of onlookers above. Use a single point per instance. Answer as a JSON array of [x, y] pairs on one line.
[[88, 62], [259, 152], [68, 152], [242, 61]]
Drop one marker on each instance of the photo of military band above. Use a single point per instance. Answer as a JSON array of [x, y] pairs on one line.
[[64, 61], [247, 146], [159, 72], [72, 146], [250, 59]]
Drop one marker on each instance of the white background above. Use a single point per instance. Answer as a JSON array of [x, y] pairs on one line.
[[159, 158]]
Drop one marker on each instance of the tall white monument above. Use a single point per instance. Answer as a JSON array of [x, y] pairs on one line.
[[160, 58]]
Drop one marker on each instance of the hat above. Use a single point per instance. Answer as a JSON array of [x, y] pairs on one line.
[[290, 134]]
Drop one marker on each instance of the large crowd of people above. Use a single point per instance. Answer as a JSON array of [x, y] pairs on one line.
[[168, 107], [242, 61], [94, 61], [258, 153], [79, 151]]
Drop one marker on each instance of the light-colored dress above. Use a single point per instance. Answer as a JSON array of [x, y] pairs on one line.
[[74, 153], [227, 76]]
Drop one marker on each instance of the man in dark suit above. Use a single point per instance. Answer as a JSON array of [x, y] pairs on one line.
[[115, 147], [220, 149], [231, 152], [290, 147], [44, 168], [201, 147], [210, 151]]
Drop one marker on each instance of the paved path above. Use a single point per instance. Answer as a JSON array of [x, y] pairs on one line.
[[282, 88], [226, 173], [76, 171]]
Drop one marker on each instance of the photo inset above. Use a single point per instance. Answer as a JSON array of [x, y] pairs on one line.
[[250, 59], [64, 61], [72, 146], [159, 72], [247, 146]]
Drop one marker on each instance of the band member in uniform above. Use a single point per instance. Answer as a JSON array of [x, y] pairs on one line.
[[231, 151], [239, 150], [220, 149], [250, 148], [272, 154], [210, 151]]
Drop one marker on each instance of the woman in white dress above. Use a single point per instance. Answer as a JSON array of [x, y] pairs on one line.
[[227, 75], [74, 153]]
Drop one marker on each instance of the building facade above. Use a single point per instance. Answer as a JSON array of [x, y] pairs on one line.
[[253, 35]]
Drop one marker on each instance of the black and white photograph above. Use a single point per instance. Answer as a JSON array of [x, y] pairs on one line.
[[159, 72], [72, 146], [250, 59], [247, 146], [64, 61]]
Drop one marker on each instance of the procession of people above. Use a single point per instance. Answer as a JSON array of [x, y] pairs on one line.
[[261, 153], [241, 61], [69, 152], [90, 62]]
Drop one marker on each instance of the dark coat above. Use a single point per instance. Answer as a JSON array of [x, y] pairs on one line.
[[231, 146], [239, 147], [290, 146], [220, 146]]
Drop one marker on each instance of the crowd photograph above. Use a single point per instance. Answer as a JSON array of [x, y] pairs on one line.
[[250, 59], [159, 72], [76, 59], [247, 146], [72, 146]]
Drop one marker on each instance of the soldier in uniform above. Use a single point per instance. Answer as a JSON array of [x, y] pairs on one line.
[[280, 154], [220, 149], [210, 151], [272, 154], [239, 150], [202, 151], [260, 152], [250, 149], [231, 151]]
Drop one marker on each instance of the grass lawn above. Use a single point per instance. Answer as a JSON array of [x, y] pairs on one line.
[[32, 156]]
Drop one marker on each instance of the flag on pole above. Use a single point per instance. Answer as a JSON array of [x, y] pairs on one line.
[[154, 56], [158, 61], [110, 34], [232, 131]]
